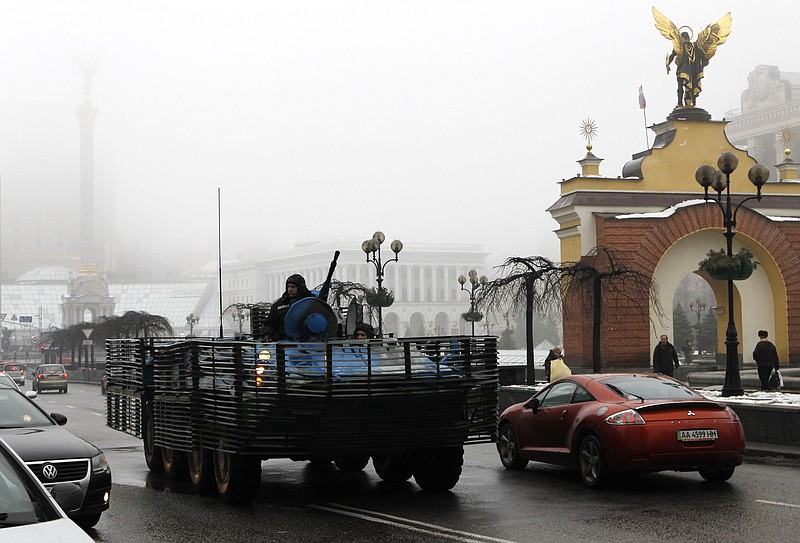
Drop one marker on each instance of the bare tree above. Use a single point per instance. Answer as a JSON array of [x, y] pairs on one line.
[[529, 284], [601, 273]]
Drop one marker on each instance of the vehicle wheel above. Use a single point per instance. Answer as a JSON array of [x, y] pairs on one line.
[[176, 463], [201, 470], [238, 477], [152, 452], [716, 475], [87, 521], [393, 468], [65, 389], [437, 469], [508, 449], [351, 463], [592, 463]]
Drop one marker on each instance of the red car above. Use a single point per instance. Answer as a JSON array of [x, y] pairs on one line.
[[607, 423]]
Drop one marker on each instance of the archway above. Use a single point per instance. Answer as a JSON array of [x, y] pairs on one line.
[[756, 294], [416, 325], [390, 324], [441, 324]]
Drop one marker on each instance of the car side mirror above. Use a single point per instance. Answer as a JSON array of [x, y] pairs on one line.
[[60, 419], [532, 404], [31, 394]]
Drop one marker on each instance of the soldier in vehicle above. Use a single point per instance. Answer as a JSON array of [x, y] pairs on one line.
[[296, 289], [364, 330]]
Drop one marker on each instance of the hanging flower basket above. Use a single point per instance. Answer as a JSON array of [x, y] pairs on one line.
[[721, 267], [380, 298], [472, 316]]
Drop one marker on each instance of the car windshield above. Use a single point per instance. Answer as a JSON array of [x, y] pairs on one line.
[[11, 367], [642, 387], [17, 411], [21, 502], [52, 368]]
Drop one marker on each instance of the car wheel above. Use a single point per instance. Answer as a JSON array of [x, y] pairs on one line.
[[152, 452], [175, 463], [393, 468], [437, 469], [238, 477], [65, 389], [351, 463], [592, 462], [716, 475], [201, 470], [87, 521], [508, 449]]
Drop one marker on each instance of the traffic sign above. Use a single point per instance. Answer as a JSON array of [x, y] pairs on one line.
[[25, 318], [88, 342], [87, 332]]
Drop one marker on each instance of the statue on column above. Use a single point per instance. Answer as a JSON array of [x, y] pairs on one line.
[[691, 58]]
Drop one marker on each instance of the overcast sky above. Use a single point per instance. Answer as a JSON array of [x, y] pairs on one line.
[[434, 121]]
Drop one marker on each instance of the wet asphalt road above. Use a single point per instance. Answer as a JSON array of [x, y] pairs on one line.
[[301, 503]]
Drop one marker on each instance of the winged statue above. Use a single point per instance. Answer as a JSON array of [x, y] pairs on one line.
[[691, 58]]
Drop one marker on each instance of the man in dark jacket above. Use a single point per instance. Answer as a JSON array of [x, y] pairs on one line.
[[766, 356], [295, 290], [665, 357]]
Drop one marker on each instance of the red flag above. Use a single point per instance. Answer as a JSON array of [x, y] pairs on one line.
[[642, 101]]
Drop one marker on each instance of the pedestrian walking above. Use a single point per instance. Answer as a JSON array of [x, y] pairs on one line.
[[665, 358], [766, 356]]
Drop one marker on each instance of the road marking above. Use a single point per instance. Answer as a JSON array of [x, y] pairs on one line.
[[408, 524], [778, 503], [98, 414]]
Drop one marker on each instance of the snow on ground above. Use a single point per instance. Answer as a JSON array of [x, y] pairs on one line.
[[754, 397]]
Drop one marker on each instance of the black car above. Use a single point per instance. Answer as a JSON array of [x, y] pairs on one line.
[[56, 455]]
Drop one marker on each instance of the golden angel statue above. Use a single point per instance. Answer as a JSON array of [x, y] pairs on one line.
[[690, 58]]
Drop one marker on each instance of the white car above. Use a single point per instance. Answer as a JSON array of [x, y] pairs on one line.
[[28, 512]]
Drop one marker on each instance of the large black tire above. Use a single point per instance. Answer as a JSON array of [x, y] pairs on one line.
[[238, 477], [437, 469], [351, 464], [508, 449], [176, 464], [717, 475], [393, 468], [592, 463], [201, 470], [152, 452]]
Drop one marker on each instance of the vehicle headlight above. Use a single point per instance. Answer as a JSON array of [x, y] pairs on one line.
[[625, 418], [264, 355], [99, 463]]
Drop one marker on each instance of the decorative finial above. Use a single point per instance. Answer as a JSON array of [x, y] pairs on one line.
[[588, 131], [786, 135]]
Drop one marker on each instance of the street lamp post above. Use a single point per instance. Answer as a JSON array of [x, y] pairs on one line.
[[239, 316], [701, 306], [472, 316], [191, 320], [720, 181], [381, 297]]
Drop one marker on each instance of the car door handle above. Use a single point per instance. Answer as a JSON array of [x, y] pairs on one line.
[[564, 414]]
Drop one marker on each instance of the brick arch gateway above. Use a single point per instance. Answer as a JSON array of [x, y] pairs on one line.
[[655, 219], [668, 248]]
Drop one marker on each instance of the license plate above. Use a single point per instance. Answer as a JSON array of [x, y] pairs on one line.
[[697, 435]]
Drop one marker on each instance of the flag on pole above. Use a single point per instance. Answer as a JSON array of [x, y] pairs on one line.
[[642, 101]]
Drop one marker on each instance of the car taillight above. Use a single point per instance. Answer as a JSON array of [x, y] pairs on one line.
[[625, 418], [64, 376], [732, 414], [40, 376]]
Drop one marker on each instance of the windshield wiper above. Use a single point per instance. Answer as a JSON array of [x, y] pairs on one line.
[[626, 395]]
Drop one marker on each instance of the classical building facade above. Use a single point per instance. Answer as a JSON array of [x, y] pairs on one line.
[[428, 299]]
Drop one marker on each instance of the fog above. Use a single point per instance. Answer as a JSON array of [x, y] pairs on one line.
[[444, 121]]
